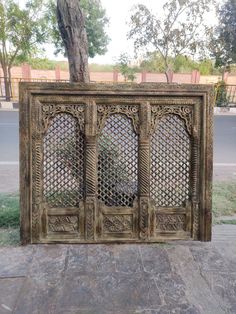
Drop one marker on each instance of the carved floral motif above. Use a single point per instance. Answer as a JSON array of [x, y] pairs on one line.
[[63, 223], [118, 223], [131, 111], [170, 222], [185, 112], [49, 112]]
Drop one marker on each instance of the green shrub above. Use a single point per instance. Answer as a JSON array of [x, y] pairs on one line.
[[222, 98]]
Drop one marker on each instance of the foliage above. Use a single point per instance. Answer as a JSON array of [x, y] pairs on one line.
[[222, 98], [94, 67], [223, 43], [153, 62], [9, 211], [176, 32], [43, 64], [95, 22], [21, 31], [123, 65]]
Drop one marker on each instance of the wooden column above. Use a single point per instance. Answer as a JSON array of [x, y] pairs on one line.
[[144, 171], [90, 170]]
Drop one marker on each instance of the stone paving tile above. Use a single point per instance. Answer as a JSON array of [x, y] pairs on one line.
[[171, 288], [101, 258], [9, 291], [128, 259], [209, 259], [48, 261], [77, 258], [108, 292], [15, 261], [228, 252], [37, 297], [224, 285], [155, 259], [179, 309], [197, 289]]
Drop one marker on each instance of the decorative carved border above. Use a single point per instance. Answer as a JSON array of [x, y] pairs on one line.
[[104, 111], [49, 111], [184, 112], [66, 95]]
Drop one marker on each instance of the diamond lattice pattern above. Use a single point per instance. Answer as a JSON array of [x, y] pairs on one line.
[[63, 175], [118, 162], [170, 162]]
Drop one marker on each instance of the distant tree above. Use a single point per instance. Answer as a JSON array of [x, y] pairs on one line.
[[178, 31], [21, 32], [223, 43], [95, 23], [153, 62], [123, 65]]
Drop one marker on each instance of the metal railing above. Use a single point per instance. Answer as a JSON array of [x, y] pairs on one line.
[[227, 92], [231, 94], [14, 88]]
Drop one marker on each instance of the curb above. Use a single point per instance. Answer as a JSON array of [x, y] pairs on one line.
[[218, 110], [9, 105]]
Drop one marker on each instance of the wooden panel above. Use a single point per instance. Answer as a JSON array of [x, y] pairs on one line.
[[152, 181]]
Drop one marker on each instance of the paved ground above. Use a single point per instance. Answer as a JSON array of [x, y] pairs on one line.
[[182, 277]]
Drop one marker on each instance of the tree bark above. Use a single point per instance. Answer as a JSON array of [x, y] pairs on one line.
[[7, 83], [71, 24]]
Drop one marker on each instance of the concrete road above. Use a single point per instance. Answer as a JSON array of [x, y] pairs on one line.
[[224, 148], [9, 136]]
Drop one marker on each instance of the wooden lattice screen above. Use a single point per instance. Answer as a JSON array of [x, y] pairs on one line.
[[121, 163]]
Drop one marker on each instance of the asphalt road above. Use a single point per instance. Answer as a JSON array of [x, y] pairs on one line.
[[224, 138], [224, 147]]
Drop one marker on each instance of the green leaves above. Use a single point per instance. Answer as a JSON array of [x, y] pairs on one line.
[[123, 65], [178, 30], [223, 44], [95, 23], [21, 30]]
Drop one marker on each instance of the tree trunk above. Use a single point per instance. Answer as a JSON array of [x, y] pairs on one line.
[[167, 77], [71, 24], [7, 84]]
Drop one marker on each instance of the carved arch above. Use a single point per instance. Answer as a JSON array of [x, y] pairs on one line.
[[130, 111], [185, 113], [50, 111]]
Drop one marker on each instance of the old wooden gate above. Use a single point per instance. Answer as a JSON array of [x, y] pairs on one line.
[[122, 163]]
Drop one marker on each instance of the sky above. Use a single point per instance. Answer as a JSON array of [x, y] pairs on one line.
[[118, 12]]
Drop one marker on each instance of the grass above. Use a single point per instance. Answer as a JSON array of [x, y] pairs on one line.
[[228, 222], [9, 211], [224, 199], [9, 219], [9, 236], [224, 204]]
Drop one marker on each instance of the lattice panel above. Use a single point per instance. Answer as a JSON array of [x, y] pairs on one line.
[[63, 163], [117, 162], [170, 162]]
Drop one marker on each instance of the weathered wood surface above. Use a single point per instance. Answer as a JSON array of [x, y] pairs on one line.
[[153, 185]]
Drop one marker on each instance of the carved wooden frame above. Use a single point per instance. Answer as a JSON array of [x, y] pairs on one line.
[[91, 104]]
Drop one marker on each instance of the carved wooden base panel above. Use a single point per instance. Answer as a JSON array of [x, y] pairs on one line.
[[115, 163]]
